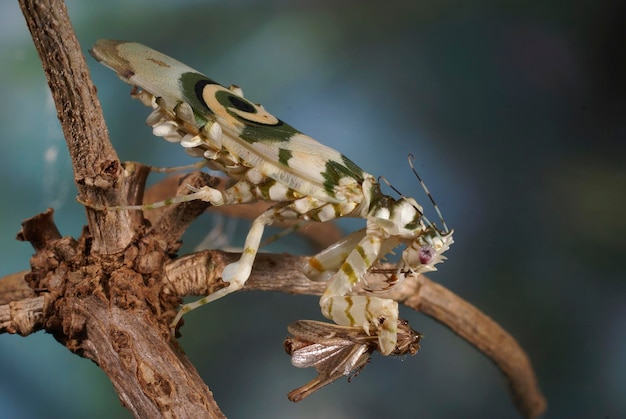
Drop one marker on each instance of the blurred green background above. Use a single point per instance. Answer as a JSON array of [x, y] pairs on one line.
[[515, 113]]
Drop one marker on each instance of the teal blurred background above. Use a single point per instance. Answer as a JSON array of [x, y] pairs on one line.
[[515, 113]]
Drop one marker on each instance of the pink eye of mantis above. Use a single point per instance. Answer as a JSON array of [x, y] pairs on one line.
[[426, 254]]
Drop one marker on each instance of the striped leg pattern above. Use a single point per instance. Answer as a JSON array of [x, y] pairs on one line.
[[363, 311]]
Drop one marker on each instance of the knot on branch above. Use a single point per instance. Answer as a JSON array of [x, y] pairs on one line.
[[70, 274]]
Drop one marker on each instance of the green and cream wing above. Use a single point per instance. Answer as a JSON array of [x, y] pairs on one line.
[[253, 135]]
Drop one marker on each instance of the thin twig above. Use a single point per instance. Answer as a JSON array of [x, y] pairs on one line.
[[199, 274]]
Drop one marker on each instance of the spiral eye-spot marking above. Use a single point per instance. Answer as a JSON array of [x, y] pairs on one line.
[[235, 109], [241, 105]]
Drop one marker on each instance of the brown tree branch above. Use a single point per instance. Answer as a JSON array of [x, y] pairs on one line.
[[101, 292], [487, 336], [200, 274], [96, 166], [23, 316], [13, 287]]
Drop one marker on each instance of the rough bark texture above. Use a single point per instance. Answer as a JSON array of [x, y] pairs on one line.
[[101, 293], [110, 294]]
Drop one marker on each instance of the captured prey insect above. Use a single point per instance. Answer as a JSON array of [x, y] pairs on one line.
[[270, 160], [337, 351]]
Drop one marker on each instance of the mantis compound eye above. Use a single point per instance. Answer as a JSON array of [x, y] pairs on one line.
[[426, 254], [419, 257]]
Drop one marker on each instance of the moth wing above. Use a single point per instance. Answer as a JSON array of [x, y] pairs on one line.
[[317, 354], [316, 331], [345, 361]]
